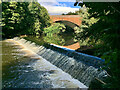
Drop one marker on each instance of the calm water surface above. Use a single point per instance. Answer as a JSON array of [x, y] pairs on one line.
[[63, 39]]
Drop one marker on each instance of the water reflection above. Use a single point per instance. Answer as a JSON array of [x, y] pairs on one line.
[[61, 39]]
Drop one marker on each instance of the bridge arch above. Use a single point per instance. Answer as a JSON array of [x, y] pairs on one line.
[[76, 19], [67, 23]]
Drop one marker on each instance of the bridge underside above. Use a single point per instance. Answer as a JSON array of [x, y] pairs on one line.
[[67, 23]]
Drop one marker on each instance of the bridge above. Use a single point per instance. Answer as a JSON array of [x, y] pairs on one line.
[[75, 19]]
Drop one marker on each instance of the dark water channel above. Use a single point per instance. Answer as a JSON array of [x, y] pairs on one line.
[[62, 39]]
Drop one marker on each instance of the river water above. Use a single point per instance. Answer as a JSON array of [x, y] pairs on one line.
[[22, 68], [63, 39]]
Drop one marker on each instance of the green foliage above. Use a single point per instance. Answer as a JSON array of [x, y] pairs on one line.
[[87, 22], [37, 41], [107, 28], [52, 33], [104, 34], [56, 39], [41, 17], [73, 13], [13, 16], [70, 13], [56, 28], [23, 18]]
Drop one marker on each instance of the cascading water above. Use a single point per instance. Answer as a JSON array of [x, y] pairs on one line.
[[80, 66], [23, 68]]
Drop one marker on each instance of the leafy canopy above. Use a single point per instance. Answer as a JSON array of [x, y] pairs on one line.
[[23, 18]]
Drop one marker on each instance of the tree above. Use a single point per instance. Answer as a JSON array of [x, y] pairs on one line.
[[73, 13], [106, 31], [14, 14], [52, 34], [108, 14], [87, 22], [23, 18], [41, 17]]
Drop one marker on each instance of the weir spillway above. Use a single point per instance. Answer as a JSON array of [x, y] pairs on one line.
[[80, 66]]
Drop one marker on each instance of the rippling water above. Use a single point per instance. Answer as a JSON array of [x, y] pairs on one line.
[[21, 68]]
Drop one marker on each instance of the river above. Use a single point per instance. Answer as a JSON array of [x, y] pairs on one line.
[[22, 68]]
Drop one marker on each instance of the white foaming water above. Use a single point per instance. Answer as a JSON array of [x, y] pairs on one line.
[[59, 78]]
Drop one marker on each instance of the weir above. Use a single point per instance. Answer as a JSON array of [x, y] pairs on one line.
[[80, 66]]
